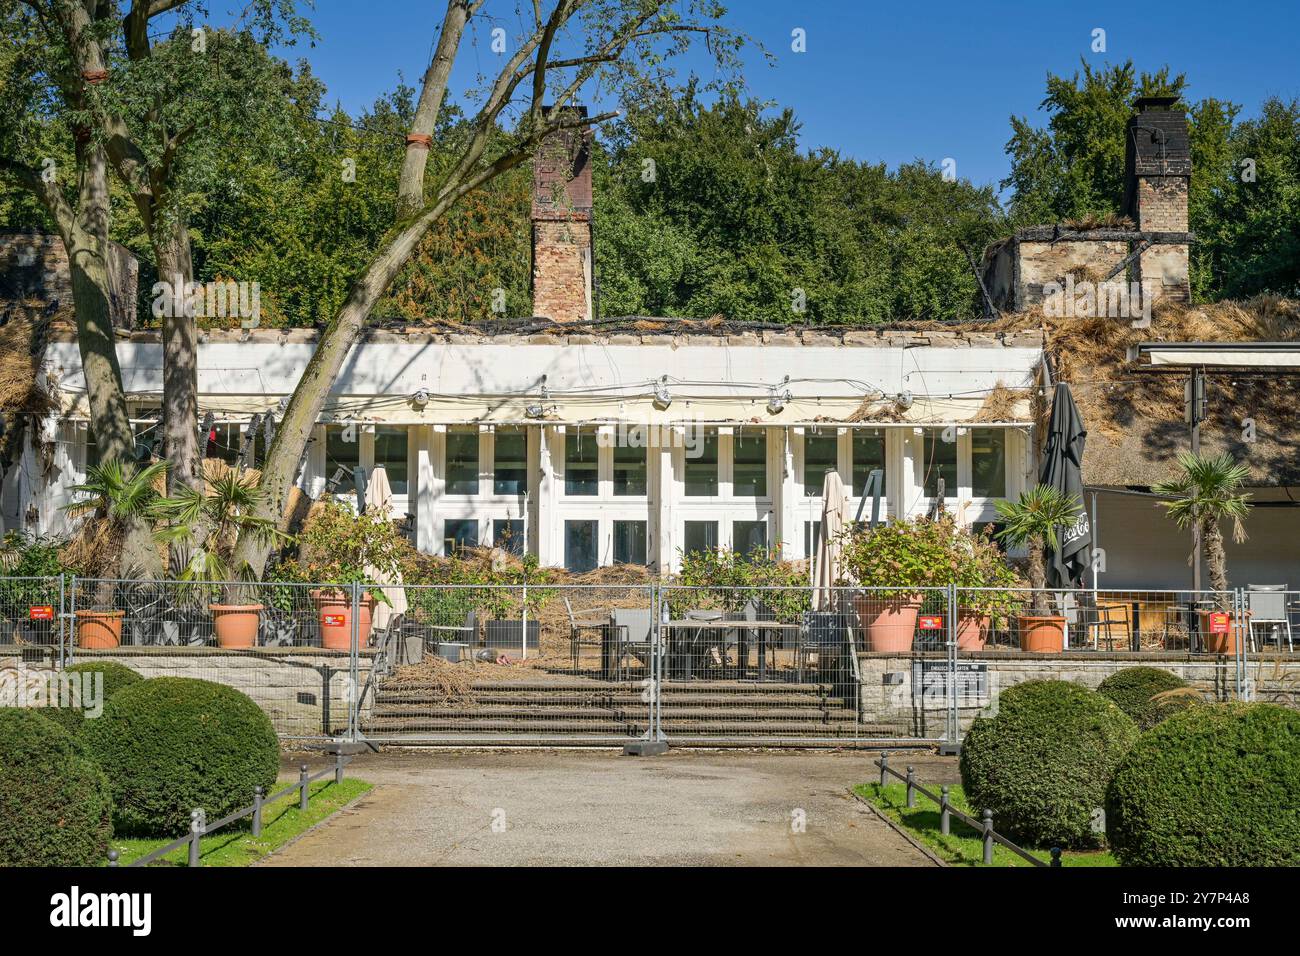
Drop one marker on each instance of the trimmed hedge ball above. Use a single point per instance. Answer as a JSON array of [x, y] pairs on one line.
[[116, 676], [55, 804], [1042, 763], [1214, 785], [1132, 690], [170, 745]]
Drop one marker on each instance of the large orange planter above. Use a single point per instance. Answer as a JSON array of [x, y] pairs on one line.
[[1042, 635], [334, 609], [1218, 643], [99, 630], [236, 624], [972, 631], [891, 624]]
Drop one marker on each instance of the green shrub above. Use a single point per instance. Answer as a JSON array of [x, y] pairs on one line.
[[1043, 762], [1132, 690], [173, 744], [1214, 785], [55, 808], [116, 676]]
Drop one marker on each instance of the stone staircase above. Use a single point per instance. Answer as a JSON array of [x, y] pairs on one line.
[[577, 710]]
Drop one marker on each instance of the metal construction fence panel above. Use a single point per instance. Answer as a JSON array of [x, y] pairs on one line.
[[614, 663]]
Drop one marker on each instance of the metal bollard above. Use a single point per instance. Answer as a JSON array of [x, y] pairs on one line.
[[112, 857], [944, 816], [1056, 856], [302, 786], [338, 768], [259, 793], [911, 793], [988, 837], [884, 767], [197, 823]]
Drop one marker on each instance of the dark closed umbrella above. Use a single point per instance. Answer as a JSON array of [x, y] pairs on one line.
[[1063, 470]]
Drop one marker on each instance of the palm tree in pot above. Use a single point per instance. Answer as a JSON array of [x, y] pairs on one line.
[[1033, 521], [1207, 494]]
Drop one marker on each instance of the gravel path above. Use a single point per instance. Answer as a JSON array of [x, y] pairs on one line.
[[562, 808]]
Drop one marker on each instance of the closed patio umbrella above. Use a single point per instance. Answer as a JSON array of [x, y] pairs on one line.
[[379, 500], [1062, 469], [835, 516]]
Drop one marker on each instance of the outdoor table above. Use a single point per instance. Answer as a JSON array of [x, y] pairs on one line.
[[760, 626]]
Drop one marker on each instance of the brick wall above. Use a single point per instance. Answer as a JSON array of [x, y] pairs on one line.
[[36, 266], [1043, 262], [1162, 207], [562, 269]]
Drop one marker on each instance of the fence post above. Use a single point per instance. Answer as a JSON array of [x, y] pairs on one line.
[[988, 837], [338, 767], [197, 823], [70, 654], [953, 732], [63, 612], [1056, 856], [944, 816], [302, 787], [258, 794], [884, 767], [523, 638], [354, 669], [911, 793]]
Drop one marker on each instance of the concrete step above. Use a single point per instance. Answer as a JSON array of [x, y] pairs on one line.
[[567, 699], [472, 711], [571, 726]]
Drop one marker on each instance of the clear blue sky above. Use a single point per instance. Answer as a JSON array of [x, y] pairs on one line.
[[891, 81]]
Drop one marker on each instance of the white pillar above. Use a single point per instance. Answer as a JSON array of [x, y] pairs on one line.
[[541, 495], [427, 491], [787, 495]]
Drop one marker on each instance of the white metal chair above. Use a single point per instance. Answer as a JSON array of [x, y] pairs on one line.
[[1267, 605]]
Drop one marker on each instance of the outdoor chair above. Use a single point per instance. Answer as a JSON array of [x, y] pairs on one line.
[[587, 628], [754, 611], [823, 637], [1099, 622], [1266, 604], [630, 634]]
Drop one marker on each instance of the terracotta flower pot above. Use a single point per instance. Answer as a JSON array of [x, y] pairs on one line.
[[891, 624], [972, 630], [334, 608], [99, 630], [1042, 635], [236, 624], [1218, 643]]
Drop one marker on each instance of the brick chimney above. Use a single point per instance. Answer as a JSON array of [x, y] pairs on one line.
[[562, 249], [1157, 175]]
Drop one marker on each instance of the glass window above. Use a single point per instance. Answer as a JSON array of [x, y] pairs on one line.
[[92, 449], [940, 462], [702, 465], [868, 456], [629, 471], [820, 455], [748, 537], [581, 464], [459, 533], [510, 462], [701, 536], [812, 537], [508, 535], [629, 542], [342, 450], [580, 545], [988, 461], [462, 461], [749, 465], [390, 451]]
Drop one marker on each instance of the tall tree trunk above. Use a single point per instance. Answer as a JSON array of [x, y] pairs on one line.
[[1038, 577], [1216, 559], [88, 261]]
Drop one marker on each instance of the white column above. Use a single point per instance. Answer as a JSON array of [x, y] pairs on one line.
[[427, 490], [666, 536], [541, 492]]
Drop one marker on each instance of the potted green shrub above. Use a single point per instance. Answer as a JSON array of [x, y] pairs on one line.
[[206, 525], [992, 595], [27, 564], [116, 492], [1205, 495], [1032, 521]]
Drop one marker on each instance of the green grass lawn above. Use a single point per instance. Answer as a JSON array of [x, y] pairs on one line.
[[235, 845], [963, 846]]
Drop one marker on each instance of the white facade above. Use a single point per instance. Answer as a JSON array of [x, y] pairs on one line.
[[563, 443]]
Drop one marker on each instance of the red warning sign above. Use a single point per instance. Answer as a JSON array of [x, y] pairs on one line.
[[41, 612], [334, 620], [1220, 623], [931, 622]]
